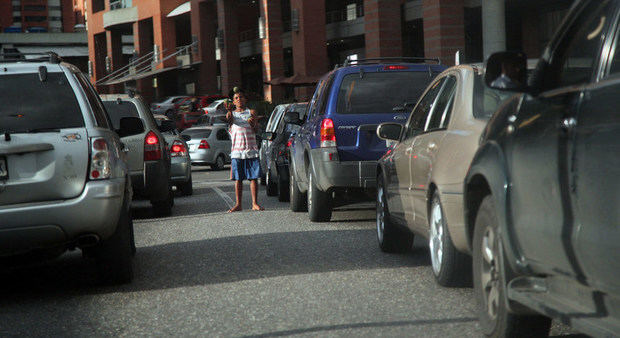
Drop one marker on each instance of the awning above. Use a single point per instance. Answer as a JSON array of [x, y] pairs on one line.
[[184, 8], [62, 51]]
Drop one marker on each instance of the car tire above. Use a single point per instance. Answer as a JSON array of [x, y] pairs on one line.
[[271, 187], [297, 200], [488, 269], [219, 163], [163, 208], [170, 114], [319, 202], [186, 188], [450, 266], [283, 189], [391, 239], [263, 179], [114, 256]]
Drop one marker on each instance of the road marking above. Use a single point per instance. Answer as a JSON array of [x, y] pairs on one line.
[[224, 196]]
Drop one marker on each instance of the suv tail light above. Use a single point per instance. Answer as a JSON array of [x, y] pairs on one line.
[[100, 161], [178, 149], [289, 143], [204, 145], [328, 133], [152, 147]]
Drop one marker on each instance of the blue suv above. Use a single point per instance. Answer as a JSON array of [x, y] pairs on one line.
[[334, 155]]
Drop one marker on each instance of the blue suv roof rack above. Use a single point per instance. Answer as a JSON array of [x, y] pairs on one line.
[[50, 57], [369, 61]]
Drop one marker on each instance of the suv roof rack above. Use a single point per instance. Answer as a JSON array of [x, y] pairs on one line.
[[50, 57], [370, 61]]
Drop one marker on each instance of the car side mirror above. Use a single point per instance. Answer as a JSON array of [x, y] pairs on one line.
[[130, 126], [166, 126], [187, 138], [292, 117], [506, 71], [269, 136], [389, 131]]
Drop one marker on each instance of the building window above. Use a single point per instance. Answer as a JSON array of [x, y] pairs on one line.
[[35, 18], [54, 8], [55, 18], [17, 19], [17, 8], [98, 5], [34, 8]]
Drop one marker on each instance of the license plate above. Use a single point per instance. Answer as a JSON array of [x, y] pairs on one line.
[[4, 170]]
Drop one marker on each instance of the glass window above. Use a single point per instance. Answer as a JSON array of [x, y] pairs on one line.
[[55, 106], [442, 104], [421, 111], [95, 102], [197, 133], [312, 111], [380, 92], [118, 109], [322, 104], [614, 67], [583, 46], [486, 100], [222, 135]]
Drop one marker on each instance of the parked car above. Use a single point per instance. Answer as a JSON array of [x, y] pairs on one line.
[[420, 180], [166, 107], [148, 156], [276, 115], [180, 163], [209, 145], [186, 119], [64, 181], [336, 150], [206, 100], [541, 195], [216, 107], [276, 151]]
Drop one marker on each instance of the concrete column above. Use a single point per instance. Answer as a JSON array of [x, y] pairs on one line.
[[230, 62], [204, 26], [493, 27], [383, 28], [143, 44], [273, 54], [444, 31], [309, 42], [115, 54]]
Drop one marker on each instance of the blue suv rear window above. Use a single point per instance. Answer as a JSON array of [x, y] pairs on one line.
[[380, 92]]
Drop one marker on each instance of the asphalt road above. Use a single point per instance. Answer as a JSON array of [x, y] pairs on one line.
[[203, 272]]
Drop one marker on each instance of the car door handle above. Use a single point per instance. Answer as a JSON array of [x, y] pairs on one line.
[[432, 146], [569, 123]]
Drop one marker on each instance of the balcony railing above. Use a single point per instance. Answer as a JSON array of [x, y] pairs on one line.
[[119, 4]]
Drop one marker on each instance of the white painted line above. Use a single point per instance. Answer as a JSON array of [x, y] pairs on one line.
[[224, 196]]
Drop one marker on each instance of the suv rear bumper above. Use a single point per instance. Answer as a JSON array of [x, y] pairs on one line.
[[48, 224], [342, 174]]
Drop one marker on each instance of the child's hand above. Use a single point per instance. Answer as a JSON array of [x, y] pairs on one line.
[[229, 116]]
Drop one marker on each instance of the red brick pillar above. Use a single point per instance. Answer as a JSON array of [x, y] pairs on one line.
[[383, 28], [309, 42], [230, 63], [143, 44], [115, 54], [444, 32], [164, 36], [204, 25], [273, 55]]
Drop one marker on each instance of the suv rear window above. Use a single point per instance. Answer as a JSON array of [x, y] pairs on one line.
[[55, 106], [197, 134], [380, 92], [119, 109]]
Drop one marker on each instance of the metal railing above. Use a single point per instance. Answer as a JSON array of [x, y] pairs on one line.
[[119, 4], [343, 14]]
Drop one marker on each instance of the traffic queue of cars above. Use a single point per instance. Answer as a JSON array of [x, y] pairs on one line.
[[513, 185]]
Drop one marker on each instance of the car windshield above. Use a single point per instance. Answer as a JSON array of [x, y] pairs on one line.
[[118, 109], [55, 106], [177, 99], [486, 100], [214, 104], [197, 133], [380, 92]]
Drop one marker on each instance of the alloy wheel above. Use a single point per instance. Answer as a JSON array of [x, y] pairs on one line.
[[490, 272], [435, 241], [380, 214]]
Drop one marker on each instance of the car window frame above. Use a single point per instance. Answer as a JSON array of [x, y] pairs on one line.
[[103, 119], [447, 107], [427, 91], [611, 49]]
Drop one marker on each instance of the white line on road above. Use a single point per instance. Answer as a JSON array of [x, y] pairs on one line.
[[224, 196]]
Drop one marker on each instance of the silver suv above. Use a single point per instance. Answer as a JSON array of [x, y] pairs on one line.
[[149, 156], [64, 182]]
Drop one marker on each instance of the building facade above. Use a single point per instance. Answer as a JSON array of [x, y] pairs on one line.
[[277, 49]]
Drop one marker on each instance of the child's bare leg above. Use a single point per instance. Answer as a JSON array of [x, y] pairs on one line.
[[238, 196], [254, 191]]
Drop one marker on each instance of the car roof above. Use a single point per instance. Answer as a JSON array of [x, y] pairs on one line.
[[383, 67]]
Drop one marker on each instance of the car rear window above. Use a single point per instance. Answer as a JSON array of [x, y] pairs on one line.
[[28, 104], [119, 109], [380, 92], [197, 134], [486, 100]]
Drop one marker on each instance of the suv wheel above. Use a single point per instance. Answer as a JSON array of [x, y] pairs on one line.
[[186, 188], [219, 163], [297, 200], [283, 191], [114, 255], [489, 286], [164, 207], [450, 266], [319, 202], [391, 239], [271, 185]]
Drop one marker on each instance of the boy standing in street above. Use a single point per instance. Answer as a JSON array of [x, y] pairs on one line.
[[245, 164]]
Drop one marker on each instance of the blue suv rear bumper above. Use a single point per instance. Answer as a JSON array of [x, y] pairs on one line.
[[332, 173]]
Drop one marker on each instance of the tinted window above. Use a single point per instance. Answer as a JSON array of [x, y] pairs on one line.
[[614, 67], [197, 134], [421, 111], [380, 92], [119, 109], [486, 100], [312, 111], [27, 103], [441, 107], [95, 102], [222, 135], [322, 103]]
